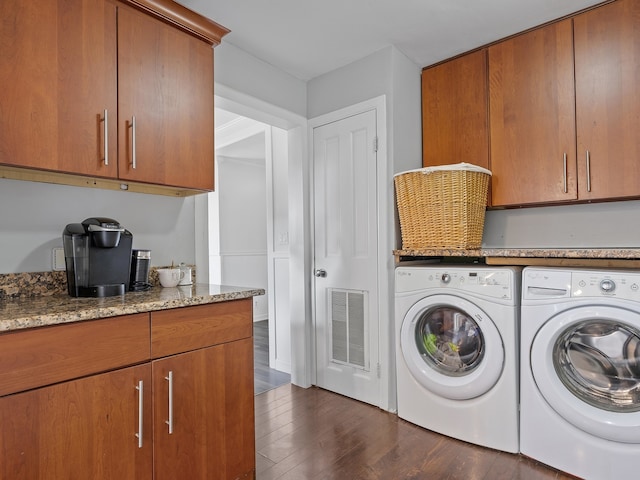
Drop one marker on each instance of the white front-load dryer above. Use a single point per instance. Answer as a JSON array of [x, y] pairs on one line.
[[457, 351], [580, 371]]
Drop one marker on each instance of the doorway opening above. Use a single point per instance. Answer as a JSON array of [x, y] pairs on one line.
[[248, 233], [290, 261]]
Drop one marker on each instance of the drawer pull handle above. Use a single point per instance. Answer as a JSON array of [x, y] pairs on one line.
[[139, 387], [169, 422]]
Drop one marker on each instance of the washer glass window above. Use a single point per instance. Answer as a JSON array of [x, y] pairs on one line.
[[449, 341], [599, 362]]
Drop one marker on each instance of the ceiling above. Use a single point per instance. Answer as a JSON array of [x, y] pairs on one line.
[[307, 39]]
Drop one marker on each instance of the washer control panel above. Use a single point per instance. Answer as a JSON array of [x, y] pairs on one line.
[[495, 283], [549, 283], [625, 285]]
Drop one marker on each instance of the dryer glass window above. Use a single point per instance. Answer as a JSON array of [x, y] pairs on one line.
[[449, 341], [599, 362]]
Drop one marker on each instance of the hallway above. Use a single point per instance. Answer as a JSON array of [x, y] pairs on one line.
[[265, 378]]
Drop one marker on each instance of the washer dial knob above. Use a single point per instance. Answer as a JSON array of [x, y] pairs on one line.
[[446, 278], [607, 285]]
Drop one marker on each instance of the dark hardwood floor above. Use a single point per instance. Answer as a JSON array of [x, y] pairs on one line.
[[264, 378], [315, 434]]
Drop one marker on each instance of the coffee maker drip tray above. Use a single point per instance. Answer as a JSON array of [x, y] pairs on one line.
[[101, 290]]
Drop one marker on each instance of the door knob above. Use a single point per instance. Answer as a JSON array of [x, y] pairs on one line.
[[320, 272]]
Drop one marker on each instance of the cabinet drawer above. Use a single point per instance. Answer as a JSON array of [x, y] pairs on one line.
[[46, 355], [183, 329]]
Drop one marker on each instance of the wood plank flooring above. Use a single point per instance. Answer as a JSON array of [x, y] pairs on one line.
[[264, 378], [305, 434]]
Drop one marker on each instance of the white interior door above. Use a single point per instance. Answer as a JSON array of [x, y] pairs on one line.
[[345, 257]]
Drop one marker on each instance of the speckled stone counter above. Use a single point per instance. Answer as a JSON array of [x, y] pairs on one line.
[[30, 284], [586, 253], [614, 255], [41, 310]]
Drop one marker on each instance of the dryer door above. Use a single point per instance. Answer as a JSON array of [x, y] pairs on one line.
[[586, 364], [451, 347]]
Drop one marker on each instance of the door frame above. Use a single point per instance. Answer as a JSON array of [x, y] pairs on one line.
[[385, 234], [299, 257]]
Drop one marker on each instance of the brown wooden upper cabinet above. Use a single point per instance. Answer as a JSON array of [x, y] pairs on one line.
[[532, 121], [58, 74], [607, 69], [165, 104], [540, 110], [106, 89], [454, 112]]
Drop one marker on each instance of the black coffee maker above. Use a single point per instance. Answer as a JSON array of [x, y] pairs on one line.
[[97, 255]]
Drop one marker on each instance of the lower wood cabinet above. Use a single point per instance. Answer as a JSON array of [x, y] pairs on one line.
[[79, 429], [203, 417], [186, 410], [203, 391]]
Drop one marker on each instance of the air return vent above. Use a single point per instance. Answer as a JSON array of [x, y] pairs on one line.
[[348, 328]]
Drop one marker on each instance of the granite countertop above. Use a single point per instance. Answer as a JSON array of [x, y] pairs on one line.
[[37, 311], [585, 253]]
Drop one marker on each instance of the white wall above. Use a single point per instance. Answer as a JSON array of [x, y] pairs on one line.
[[597, 225], [33, 216], [250, 76], [241, 216]]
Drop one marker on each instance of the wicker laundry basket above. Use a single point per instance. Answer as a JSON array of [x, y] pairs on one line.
[[442, 207]]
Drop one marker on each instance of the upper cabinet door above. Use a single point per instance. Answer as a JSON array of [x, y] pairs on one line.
[[58, 77], [532, 117], [607, 55], [165, 83], [454, 112]]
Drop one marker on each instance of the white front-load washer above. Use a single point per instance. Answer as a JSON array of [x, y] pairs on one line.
[[457, 351], [580, 371]]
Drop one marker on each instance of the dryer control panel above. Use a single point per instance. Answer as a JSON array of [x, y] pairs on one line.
[[494, 283]]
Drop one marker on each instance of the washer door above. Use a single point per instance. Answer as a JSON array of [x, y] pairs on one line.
[[586, 364], [451, 347]]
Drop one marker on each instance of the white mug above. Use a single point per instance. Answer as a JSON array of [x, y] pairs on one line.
[[169, 277], [185, 275]]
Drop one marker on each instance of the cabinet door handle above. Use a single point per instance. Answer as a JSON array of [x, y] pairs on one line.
[[132, 126], [169, 422], [139, 387], [564, 171], [588, 171], [105, 130]]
